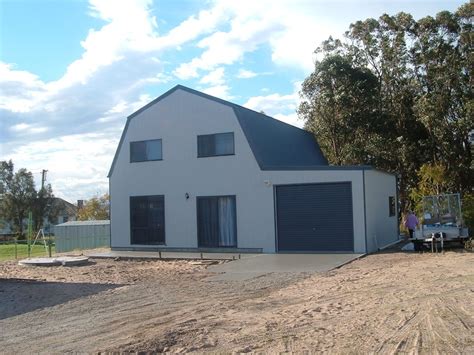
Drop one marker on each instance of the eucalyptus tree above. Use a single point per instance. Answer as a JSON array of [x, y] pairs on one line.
[[18, 195], [415, 110], [339, 109], [443, 62]]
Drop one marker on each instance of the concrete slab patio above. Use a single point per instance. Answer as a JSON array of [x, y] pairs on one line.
[[261, 264], [129, 254]]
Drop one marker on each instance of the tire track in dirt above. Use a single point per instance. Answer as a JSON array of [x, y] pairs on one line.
[[383, 303]]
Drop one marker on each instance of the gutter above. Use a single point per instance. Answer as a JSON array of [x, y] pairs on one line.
[[365, 212]]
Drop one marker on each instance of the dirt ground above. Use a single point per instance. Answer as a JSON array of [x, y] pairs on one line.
[[384, 303]]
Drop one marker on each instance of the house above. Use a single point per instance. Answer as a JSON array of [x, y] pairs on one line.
[[63, 211], [194, 172], [66, 211]]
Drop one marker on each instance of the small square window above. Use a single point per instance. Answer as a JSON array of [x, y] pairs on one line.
[[391, 206], [211, 145], [146, 150]]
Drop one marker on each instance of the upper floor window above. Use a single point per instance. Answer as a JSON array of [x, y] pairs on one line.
[[211, 145], [146, 150]]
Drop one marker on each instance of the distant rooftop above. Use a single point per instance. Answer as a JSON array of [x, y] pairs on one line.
[[84, 223]]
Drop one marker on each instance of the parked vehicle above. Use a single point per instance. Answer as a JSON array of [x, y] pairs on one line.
[[441, 222]]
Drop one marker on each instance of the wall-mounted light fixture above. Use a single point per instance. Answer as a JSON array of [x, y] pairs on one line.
[[267, 182], [186, 195]]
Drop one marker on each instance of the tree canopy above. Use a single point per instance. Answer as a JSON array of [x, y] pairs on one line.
[[397, 94], [19, 197], [97, 208]]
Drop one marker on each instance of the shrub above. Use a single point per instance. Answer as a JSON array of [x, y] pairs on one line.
[[468, 212]]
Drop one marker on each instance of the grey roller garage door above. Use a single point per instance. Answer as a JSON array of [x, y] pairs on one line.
[[314, 217]]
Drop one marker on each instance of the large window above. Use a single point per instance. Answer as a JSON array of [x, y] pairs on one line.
[[217, 226], [147, 219], [146, 150], [211, 145]]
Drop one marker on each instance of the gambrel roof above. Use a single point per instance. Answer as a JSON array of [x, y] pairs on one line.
[[276, 145]]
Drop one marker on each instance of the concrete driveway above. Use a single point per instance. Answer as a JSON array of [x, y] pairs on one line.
[[245, 266], [261, 264]]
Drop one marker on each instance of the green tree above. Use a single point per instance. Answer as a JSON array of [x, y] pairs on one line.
[[97, 208], [421, 108], [433, 180], [6, 175], [43, 207], [381, 46], [468, 212], [338, 108], [18, 195], [442, 58]]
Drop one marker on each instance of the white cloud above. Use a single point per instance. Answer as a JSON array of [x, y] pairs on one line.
[[289, 28], [53, 125], [273, 103], [49, 125], [246, 74], [205, 22], [76, 164], [119, 108], [25, 128], [220, 91], [295, 46], [281, 107], [225, 48], [20, 90], [129, 28], [20, 127], [291, 119], [123, 108], [215, 77]]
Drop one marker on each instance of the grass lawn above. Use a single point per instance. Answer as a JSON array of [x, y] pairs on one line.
[[7, 251]]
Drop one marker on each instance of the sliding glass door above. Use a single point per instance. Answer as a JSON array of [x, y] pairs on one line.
[[217, 226], [147, 219]]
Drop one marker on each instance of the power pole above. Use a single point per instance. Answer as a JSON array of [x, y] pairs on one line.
[[43, 178]]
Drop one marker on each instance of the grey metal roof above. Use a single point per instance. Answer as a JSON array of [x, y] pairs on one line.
[[64, 207], [276, 145], [84, 223]]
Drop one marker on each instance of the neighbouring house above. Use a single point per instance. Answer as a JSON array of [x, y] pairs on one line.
[[64, 212], [194, 172]]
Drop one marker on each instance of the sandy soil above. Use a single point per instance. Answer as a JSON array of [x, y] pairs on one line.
[[384, 303]]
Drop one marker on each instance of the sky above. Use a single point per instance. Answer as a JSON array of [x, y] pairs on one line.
[[71, 71]]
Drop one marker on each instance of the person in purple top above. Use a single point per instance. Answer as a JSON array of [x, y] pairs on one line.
[[411, 222]]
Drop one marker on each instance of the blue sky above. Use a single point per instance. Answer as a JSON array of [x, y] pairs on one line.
[[72, 70]]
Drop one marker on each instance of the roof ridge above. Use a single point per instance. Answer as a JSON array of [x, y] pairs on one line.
[[194, 91]]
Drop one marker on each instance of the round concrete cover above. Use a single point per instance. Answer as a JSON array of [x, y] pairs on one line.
[[63, 260], [73, 260]]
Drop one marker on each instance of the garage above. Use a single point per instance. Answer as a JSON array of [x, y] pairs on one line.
[[314, 217]]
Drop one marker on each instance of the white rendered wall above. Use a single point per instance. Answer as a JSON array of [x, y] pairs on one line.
[[381, 228], [177, 120]]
